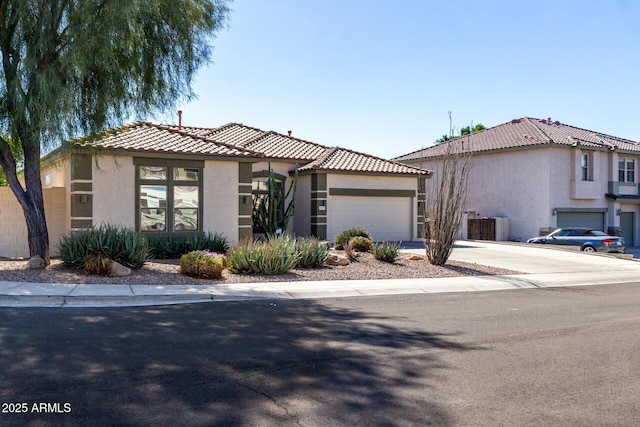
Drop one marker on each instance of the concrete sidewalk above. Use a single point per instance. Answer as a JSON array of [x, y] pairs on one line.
[[543, 268]]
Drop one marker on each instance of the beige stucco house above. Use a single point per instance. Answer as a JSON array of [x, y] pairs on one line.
[[542, 174], [176, 180]]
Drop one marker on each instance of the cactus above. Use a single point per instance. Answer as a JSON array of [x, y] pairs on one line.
[[266, 210]]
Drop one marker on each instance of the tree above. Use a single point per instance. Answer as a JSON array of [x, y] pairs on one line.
[[463, 131], [446, 202], [71, 66]]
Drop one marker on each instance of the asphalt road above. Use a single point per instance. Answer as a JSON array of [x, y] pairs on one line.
[[562, 356]]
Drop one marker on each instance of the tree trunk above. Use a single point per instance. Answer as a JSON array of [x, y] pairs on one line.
[[32, 201], [37, 229]]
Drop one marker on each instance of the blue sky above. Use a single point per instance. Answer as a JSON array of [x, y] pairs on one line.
[[380, 76]]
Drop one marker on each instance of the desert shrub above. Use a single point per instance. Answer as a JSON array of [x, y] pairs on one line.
[[361, 244], [346, 235], [167, 247], [386, 251], [277, 255], [349, 251], [312, 253], [202, 264], [120, 244], [97, 264]]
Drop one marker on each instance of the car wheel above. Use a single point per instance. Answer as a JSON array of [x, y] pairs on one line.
[[588, 249]]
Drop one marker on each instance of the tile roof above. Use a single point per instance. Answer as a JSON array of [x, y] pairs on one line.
[[275, 145], [161, 139], [527, 133], [341, 159], [238, 140]]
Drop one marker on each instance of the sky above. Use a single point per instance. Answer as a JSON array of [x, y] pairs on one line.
[[381, 76]]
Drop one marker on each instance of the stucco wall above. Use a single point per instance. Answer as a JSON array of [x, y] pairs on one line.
[[512, 184], [527, 185], [220, 204], [13, 229], [114, 180]]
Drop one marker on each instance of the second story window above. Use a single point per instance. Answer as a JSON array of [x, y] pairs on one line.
[[587, 166], [626, 170]]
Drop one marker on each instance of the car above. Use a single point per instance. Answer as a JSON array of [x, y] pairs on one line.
[[588, 239]]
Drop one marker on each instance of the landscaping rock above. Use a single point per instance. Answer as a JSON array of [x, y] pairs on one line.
[[335, 259], [119, 270], [36, 263], [415, 257]]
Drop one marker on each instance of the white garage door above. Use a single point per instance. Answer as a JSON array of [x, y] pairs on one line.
[[385, 218]]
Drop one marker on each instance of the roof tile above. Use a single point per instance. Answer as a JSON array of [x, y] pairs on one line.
[[523, 133], [153, 138]]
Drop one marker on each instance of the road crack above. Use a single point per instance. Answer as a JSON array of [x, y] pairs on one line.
[[272, 399]]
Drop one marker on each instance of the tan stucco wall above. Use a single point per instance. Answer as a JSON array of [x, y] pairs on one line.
[[13, 229], [113, 184], [220, 204], [526, 185]]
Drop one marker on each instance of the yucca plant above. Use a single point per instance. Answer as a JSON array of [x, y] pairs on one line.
[[312, 253], [120, 244], [277, 255], [386, 251]]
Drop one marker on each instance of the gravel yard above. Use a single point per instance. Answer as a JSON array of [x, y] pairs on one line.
[[166, 272]]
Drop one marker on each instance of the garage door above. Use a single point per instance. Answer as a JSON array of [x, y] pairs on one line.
[[385, 218], [581, 219]]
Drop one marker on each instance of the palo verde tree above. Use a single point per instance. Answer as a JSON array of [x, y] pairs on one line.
[[71, 66]]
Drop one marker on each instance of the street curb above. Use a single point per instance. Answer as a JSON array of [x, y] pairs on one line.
[[100, 301]]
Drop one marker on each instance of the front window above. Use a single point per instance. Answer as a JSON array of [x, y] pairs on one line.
[[169, 198], [587, 167], [626, 170]]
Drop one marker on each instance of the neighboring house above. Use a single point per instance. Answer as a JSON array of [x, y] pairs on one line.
[[176, 180], [542, 174]]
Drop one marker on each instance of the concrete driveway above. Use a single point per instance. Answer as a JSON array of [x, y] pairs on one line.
[[535, 259]]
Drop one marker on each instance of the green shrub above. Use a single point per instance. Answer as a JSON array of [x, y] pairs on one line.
[[386, 251], [277, 255], [361, 244], [312, 253], [120, 244], [202, 264], [346, 235], [167, 247]]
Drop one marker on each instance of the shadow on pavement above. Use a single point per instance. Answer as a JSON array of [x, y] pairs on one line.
[[245, 363]]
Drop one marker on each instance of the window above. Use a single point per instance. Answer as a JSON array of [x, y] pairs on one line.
[[587, 167], [626, 170], [168, 197]]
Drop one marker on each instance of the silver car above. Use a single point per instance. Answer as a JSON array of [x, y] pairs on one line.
[[589, 240]]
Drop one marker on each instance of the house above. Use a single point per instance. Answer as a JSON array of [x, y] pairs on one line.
[[176, 180], [543, 174]]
